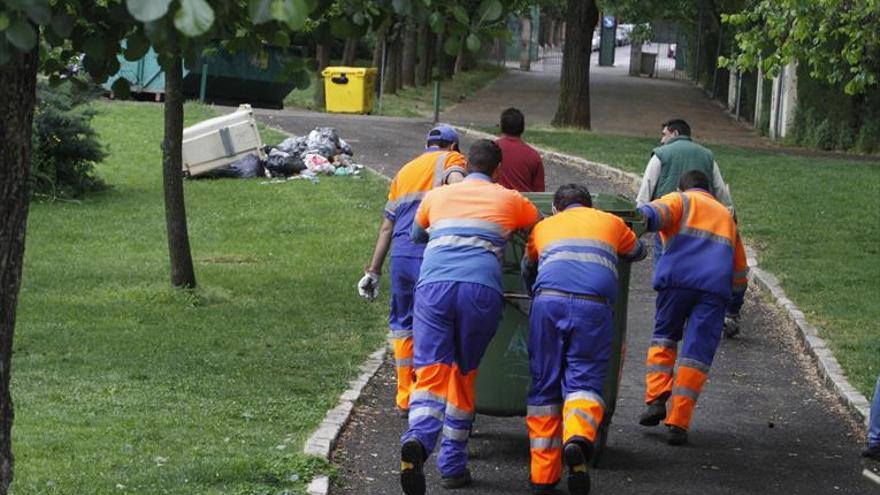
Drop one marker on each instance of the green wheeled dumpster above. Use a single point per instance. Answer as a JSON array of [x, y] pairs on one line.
[[503, 382]]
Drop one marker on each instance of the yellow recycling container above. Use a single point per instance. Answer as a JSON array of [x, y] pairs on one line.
[[349, 89]]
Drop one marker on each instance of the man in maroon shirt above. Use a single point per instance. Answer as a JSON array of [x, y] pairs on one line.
[[521, 166]]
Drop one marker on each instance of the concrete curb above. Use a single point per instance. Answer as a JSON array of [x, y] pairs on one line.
[[827, 366], [323, 440]]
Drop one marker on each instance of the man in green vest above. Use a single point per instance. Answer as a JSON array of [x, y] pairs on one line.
[[677, 155]]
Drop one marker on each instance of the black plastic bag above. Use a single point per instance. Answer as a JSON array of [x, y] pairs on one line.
[[247, 167], [283, 164]]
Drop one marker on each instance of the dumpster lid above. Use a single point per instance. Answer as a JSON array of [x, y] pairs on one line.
[[354, 71]]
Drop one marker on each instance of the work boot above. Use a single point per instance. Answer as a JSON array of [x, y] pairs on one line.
[[677, 436], [872, 452], [576, 456], [412, 463], [654, 414], [453, 482], [731, 325], [401, 412], [543, 489]]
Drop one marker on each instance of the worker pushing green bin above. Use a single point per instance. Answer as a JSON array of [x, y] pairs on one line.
[[503, 381]]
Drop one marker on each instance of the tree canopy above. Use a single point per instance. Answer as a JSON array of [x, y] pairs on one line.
[[839, 40]]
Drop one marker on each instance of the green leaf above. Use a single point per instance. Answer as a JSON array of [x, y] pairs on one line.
[[260, 11], [489, 11], [281, 39], [358, 18], [62, 24], [460, 14], [340, 27], [39, 11], [147, 10], [437, 22], [95, 47], [121, 88], [452, 46], [194, 17], [94, 66], [473, 43], [21, 34], [136, 46], [402, 7], [4, 21], [291, 12]]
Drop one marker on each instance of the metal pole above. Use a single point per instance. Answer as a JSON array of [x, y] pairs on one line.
[[739, 82], [382, 74], [203, 83], [436, 101]]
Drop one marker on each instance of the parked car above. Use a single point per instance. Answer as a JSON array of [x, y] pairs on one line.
[[623, 34]]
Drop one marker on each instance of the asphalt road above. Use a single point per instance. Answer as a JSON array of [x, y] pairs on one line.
[[763, 423]]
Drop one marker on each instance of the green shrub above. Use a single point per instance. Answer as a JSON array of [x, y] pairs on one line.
[[868, 140], [824, 136], [65, 148]]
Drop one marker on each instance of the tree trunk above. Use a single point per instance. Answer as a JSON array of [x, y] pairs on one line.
[[525, 44], [425, 54], [428, 56], [574, 84], [182, 274], [322, 55], [349, 52], [410, 46], [377, 50], [392, 65], [18, 79]]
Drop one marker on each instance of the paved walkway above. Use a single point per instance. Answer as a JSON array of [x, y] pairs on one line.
[[763, 423], [620, 104]]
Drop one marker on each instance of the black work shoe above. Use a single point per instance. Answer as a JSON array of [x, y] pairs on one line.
[[453, 482], [412, 463], [578, 476], [731, 326], [872, 452], [402, 413], [543, 489], [654, 414], [677, 436]]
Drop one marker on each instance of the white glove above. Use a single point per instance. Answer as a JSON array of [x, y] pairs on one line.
[[368, 287]]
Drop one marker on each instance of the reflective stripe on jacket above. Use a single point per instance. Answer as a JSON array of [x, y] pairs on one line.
[[577, 251], [701, 247], [467, 226], [429, 170]]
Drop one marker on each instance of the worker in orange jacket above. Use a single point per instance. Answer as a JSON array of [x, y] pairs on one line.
[[459, 300], [574, 255], [702, 267], [440, 163]]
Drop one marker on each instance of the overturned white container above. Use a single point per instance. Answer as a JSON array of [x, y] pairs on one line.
[[217, 142]]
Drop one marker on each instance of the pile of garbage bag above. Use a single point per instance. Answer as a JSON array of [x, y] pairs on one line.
[[321, 152]]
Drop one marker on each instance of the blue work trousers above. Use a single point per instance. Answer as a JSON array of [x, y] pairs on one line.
[[569, 347], [452, 326], [701, 311]]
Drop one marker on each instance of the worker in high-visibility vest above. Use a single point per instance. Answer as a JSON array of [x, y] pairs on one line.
[[440, 163], [702, 266], [573, 258], [459, 300]]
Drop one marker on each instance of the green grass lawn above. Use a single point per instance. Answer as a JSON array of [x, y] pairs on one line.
[[413, 102], [814, 220], [124, 385]]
